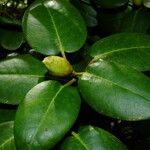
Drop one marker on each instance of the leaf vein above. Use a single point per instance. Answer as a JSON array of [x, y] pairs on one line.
[[47, 110], [117, 85]]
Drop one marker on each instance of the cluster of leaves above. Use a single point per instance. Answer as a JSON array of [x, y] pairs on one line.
[[108, 45]]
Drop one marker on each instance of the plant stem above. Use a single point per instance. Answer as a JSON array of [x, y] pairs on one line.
[[70, 82], [63, 54], [77, 73]]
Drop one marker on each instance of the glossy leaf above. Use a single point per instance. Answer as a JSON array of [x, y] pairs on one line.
[[131, 49], [47, 113], [17, 76], [10, 39], [109, 4], [116, 91], [6, 136], [58, 28], [92, 138]]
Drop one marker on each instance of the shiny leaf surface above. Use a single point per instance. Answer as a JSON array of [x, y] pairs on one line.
[[6, 136], [116, 91], [131, 49], [17, 76], [47, 113], [59, 28], [92, 138]]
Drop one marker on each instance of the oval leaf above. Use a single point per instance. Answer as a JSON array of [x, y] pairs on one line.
[[58, 28], [116, 91], [92, 138], [6, 136], [46, 114], [10, 40], [131, 49], [17, 76]]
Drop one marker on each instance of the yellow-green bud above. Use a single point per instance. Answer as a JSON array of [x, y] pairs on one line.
[[58, 66]]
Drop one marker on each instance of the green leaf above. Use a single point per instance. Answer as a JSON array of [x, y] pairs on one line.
[[128, 20], [92, 138], [87, 11], [6, 136], [116, 91], [17, 76], [110, 4], [59, 28], [131, 49], [10, 40], [47, 113], [136, 21], [7, 114]]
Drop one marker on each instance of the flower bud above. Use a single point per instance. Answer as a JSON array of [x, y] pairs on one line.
[[58, 66]]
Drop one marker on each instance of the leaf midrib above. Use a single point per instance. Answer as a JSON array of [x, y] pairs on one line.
[[45, 114], [121, 49], [77, 137], [60, 45], [99, 77]]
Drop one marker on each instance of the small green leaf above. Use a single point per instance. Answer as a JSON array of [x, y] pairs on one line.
[[131, 49], [59, 28], [10, 39], [92, 138], [116, 91], [6, 136], [17, 76], [47, 113]]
